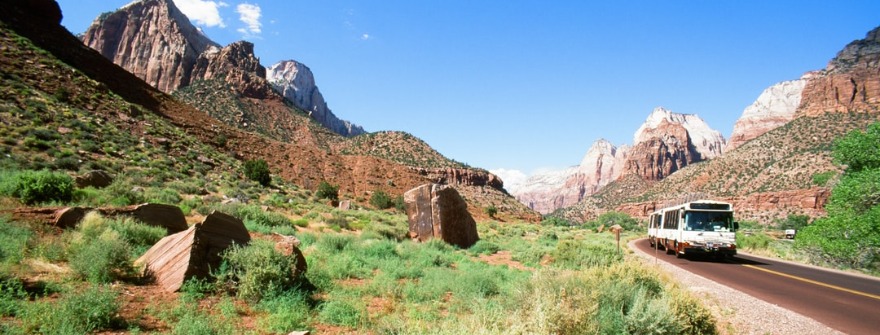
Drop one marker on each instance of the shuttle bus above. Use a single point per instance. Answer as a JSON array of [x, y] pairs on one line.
[[697, 227]]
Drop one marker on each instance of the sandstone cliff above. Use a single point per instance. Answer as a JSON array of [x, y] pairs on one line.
[[151, 39], [155, 41], [548, 191], [236, 65], [296, 82], [663, 144], [775, 107], [850, 82]]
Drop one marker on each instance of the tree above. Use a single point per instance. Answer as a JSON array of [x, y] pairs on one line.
[[491, 211], [850, 234], [257, 170], [381, 200], [859, 150], [327, 191]]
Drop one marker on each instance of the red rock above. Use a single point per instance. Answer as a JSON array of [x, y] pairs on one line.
[[438, 211]]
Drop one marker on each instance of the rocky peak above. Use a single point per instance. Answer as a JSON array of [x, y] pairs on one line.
[[707, 141], [237, 65], [850, 82], [775, 107], [549, 191], [865, 52], [152, 39], [662, 149], [296, 83]]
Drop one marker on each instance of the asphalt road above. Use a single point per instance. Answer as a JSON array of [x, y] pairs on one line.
[[848, 303]]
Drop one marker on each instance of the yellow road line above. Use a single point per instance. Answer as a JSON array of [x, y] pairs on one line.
[[815, 282]]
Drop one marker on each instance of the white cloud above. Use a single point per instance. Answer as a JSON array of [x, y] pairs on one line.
[[250, 15], [204, 13], [512, 178], [365, 36]]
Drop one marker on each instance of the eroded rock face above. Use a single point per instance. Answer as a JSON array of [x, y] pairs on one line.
[[151, 39], [237, 65], [465, 177], [296, 83], [662, 150], [850, 82], [547, 192], [438, 211], [193, 253], [775, 107]]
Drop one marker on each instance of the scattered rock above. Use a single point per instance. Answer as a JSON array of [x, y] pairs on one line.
[[194, 252], [94, 178], [438, 211], [69, 217], [289, 246], [345, 205]]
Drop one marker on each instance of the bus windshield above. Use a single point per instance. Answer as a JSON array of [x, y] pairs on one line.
[[709, 221]]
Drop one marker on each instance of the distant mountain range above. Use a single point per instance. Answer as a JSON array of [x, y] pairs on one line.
[[778, 145]]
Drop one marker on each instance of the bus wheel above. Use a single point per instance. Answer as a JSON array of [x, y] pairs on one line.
[[669, 250], [678, 254]]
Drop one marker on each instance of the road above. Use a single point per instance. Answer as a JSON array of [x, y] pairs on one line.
[[848, 303]]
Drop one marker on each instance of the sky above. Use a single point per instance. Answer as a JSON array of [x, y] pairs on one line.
[[519, 86]]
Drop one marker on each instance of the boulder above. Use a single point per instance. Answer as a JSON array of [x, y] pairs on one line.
[[289, 246], [193, 253], [94, 178], [438, 211], [69, 217], [345, 205], [158, 215]]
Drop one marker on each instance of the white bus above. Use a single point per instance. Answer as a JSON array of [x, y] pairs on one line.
[[697, 227]]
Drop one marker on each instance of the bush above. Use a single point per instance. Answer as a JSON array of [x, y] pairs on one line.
[[257, 270], [86, 311], [327, 191], [286, 312], [13, 242], [381, 200], [491, 211], [98, 253], [40, 186], [342, 312], [258, 170]]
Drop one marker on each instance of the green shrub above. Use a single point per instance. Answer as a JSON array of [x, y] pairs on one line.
[[822, 178], [138, 235], [381, 200], [13, 242], [41, 186], [327, 191], [491, 211], [163, 196], [80, 312], [342, 312], [12, 295], [484, 247], [257, 270], [285, 312], [97, 253], [258, 170], [755, 241]]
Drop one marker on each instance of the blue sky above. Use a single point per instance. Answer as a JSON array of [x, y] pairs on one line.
[[529, 85]]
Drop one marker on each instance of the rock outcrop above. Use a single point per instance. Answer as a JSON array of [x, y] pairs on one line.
[[775, 107], [669, 141], [158, 215], [193, 253], [152, 39], [438, 211], [547, 192], [462, 177], [296, 83], [237, 65], [850, 82]]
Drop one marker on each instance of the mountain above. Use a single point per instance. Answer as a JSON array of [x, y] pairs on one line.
[[556, 189], [151, 39], [779, 161], [669, 141], [102, 113], [775, 107], [296, 82], [663, 144], [155, 41]]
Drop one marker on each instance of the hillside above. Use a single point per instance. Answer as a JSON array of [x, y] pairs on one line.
[[306, 162]]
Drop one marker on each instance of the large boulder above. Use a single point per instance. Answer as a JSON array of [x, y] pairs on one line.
[[193, 253], [94, 178], [158, 215], [438, 211]]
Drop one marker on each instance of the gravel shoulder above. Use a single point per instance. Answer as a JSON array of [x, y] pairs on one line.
[[735, 311]]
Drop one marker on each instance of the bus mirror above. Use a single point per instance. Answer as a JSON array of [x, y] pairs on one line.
[[735, 225]]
